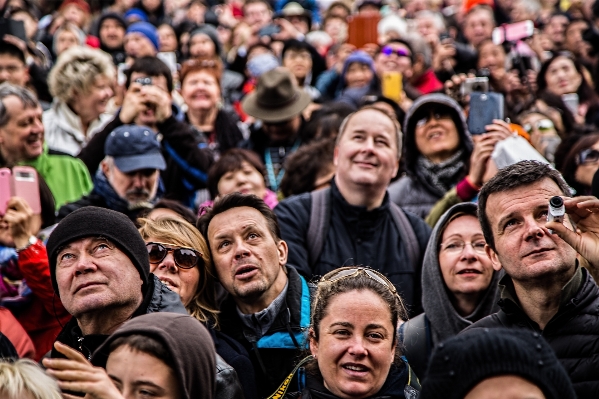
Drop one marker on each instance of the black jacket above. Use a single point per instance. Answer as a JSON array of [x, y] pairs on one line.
[[272, 363], [393, 388], [355, 237], [573, 332], [187, 157]]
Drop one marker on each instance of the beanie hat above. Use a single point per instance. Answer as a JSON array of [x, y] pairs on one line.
[[111, 15], [358, 56], [462, 362], [137, 13], [80, 4], [211, 32], [91, 221], [146, 29]]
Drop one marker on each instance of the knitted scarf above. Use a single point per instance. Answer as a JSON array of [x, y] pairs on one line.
[[440, 177]]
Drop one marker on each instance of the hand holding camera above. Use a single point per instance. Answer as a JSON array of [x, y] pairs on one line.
[[143, 95]]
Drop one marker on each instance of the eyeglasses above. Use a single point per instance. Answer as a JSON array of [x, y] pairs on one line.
[[455, 247], [543, 126], [350, 271], [438, 115], [588, 156], [185, 258], [388, 50]]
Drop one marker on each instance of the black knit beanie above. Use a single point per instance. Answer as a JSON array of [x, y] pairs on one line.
[[91, 221], [460, 363]]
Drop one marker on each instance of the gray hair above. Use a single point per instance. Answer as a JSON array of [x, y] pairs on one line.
[[398, 133], [437, 18], [420, 47], [28, 99], [76, 70]]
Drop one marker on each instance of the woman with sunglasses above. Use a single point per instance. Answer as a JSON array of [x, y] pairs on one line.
[[353, 339], [459, 285], [180, 258], [580, 163]]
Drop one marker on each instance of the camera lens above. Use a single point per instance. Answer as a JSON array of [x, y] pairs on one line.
[[556, 202]]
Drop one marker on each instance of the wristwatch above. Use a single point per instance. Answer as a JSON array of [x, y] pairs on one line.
[[32, 240]]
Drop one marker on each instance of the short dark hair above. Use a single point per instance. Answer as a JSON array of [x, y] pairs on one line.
[[569, 165], [150, 66], [238, 200], [12, 50], [520, 174], [144, 344], [231, 161]]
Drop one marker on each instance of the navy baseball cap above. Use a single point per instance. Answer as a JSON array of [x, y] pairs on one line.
[[134, 147]]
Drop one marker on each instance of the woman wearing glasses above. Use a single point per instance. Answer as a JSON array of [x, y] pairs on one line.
[[353, 339], [580, 164], [543, 134], [180, 258], [459, 285]]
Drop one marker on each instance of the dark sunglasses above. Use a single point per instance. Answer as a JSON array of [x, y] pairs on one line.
[[425, 117], [588, 156], [543, 125], [387, 50], [185, 258]]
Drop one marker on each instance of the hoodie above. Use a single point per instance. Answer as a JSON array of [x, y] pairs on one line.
[[426, 183], [186, 340], [442, 319]]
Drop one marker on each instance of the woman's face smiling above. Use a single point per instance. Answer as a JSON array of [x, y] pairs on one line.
[[355, 348]]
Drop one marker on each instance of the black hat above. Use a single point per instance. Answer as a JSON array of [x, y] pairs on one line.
[[91, 221], [212, 34], [460, 363]]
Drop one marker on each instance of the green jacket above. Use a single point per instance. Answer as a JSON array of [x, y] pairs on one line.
[[67, 177], [449, 199]]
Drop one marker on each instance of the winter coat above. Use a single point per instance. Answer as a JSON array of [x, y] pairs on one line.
[[275, 353], [442, 320], [355, 237], [415, 191], [573, 332]]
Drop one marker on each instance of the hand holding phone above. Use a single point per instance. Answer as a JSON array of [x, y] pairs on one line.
[[484, 108], [22, 182]]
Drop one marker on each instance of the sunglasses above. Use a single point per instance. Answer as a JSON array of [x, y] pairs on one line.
[[543, 126], [185, 258], [588, 156], [425, 118], [387, 50], [350, 271]]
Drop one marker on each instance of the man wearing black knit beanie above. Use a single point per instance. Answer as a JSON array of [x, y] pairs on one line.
[[100, 270]]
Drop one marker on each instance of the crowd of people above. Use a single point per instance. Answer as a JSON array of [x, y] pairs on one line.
[[299, 199]]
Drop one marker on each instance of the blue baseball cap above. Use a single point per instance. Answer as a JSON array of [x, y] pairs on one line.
[[134, 147]]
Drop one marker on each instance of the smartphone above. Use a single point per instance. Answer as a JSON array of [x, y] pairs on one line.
[[5, 188], [269, 30], [392, 85], [363, 29], [121, 78], [474, 84], [27, 187], [572, 102], [513, 32], [13, 27], [484, 107]]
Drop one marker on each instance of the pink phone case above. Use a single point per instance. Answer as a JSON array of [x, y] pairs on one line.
[[27, 187], [5, 189]]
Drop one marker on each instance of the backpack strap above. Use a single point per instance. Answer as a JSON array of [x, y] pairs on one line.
[[406, 232], [320, 213], [417, 340]]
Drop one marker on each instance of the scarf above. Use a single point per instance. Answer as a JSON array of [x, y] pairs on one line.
[[440, 177]]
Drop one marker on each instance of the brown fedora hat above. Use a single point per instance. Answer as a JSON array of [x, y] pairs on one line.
[[276, 97]]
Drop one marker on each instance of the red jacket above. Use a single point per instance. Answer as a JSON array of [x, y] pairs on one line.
[[10, 327], [43, 317]]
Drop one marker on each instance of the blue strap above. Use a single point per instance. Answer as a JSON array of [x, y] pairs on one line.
[[282, 340], [193, 172], [275, 181]]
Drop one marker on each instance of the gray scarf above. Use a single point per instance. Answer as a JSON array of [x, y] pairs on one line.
[[440, 177], [445, 320]]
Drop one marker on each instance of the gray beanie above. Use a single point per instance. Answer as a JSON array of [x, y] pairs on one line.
[[211, 32]]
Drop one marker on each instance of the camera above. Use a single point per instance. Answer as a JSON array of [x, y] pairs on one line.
[[144, 81], [557, 210], [474, 84]]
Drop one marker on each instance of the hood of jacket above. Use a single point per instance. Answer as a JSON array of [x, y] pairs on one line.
[[445, 320], [185, 339], [410, 150]]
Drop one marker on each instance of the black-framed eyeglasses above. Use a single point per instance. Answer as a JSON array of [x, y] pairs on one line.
[[185, 258], [588, 156], [400, 52]]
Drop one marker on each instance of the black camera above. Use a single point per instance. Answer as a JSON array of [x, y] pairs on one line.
[[144, 81]]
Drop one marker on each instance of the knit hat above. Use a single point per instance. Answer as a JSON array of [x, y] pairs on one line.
[[358, 56], [462, 362], [212, 34], [91, 221], [137, 13], [146, 29], [111, 15], [80, 4]]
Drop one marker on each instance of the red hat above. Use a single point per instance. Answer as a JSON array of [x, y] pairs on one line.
[[81, 4], [470, 4]]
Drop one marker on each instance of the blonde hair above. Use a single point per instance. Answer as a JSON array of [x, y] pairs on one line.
[[76, 71], [177, 231], [25, 376]]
